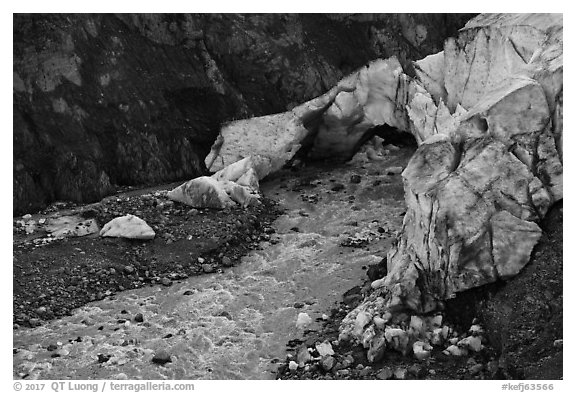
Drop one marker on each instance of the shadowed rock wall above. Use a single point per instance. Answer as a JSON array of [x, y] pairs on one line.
[[108, 100]]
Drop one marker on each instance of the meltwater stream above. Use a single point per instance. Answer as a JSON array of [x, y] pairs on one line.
[[235, 325]]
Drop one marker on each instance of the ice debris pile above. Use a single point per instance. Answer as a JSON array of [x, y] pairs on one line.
[[412, 336], [237, 183]]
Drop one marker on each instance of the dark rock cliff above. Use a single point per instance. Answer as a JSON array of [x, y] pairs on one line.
[[102, 101]]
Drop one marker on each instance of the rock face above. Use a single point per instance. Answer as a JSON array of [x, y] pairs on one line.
[[487, 169], [129, 227], [107, 100]]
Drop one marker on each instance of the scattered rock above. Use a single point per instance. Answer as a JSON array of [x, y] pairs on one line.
[[129, 269], [293, 366], [454, 350], [400, 373], [421, 350], [558, 343], [385, 373], [303, 356], [162, 357], [226, 261], [394, 170], [475, 369], [165, 281], [377, 271], [473, 343], [139, 317], [324, 348], [337, 187], [417, 370], [355, 179], [103, 358], [303, 321], [327, 363], [226, 315]]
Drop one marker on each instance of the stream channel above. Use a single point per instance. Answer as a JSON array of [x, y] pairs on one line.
[[236, 324]]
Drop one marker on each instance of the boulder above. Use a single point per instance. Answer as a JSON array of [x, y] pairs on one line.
[[128, 226]]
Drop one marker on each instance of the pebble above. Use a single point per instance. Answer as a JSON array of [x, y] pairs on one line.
[[129, 269], [417, 370], [103, 358], [303, 320], [400, 373], [201, 260], [558, 343], [355, 179], [325, 349], [27, 217], [365, 371], [472, 342], [394, 170], [139, 317], [207, 268], [492, 366], [226, 315], [337, 187], [303, 355], [475, 369], [293, 366], [226, 261], [455, 351], [327, 363], [348, 361], [166, 281], [161, 357], [385, 373]]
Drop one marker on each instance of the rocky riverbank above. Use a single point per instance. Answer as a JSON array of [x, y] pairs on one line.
[[520, 323], [54, 276]]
